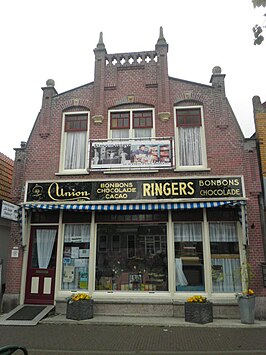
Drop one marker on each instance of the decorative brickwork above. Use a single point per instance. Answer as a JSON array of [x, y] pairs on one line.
[[141, 79]]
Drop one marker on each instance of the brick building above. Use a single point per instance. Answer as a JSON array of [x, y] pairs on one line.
[[6, 172], [139, 188], [260, 126]]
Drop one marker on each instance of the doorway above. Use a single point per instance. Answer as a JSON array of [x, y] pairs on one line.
[[40, 283]]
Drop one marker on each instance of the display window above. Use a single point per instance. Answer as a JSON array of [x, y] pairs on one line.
[[76, 253], [225, 259], [131, 253], [131, 257], [189, 262]]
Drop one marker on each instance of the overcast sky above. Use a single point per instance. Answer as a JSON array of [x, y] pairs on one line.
[[55, 39]]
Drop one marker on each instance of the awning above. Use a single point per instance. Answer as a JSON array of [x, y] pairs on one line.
[[132, 207]]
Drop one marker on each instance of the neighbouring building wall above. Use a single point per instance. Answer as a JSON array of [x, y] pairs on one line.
[[260, 136], [6, 172]]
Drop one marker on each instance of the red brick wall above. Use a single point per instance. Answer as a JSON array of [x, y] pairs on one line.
[[226, 152]]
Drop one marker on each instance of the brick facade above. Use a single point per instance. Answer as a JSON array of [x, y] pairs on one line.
[[142, 80]]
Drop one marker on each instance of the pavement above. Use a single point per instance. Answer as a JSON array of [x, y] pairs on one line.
[[142, 335], [152, 321]]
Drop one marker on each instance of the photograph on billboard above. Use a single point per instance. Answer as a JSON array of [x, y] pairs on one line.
[[124, 154]]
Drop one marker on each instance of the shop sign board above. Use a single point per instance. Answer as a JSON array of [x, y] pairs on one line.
[[210, 188], [9, 211]]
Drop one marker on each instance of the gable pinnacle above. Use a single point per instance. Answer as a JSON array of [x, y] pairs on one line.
[[161, 40], [100, 44]]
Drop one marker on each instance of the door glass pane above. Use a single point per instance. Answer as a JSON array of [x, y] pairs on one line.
[[189, 263], [132, 257], [44, 249], [76, 252]]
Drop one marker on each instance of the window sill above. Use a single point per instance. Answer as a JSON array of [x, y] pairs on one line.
[[131, 171], [80, 172], [192, 169]]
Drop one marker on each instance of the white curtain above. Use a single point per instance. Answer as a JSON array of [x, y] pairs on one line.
[[75, 232], [223, 232], [228, 280], [225, 271], [187, 232], [190, 146], [120, 133], [142, 132], [181, 279], [45, 245], [75, 150]]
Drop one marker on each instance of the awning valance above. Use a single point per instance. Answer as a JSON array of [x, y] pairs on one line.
[[131, 207]]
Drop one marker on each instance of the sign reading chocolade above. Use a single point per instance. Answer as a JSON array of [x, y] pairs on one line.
[[162, 189]]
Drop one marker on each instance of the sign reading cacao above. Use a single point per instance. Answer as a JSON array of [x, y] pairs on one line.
[[162, 189]]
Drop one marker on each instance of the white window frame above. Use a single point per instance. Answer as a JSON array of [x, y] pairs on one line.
[[203, 166], [62, 169], [131, 129]]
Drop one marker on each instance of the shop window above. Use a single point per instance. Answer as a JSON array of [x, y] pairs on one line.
[[187, 215], [191, 151], [102, 243], [189, 263], [76, 253], [137, 263], [76, 217], [116, 243], [133, 216], [226, 275], [223, 214], [131, 124], [74, 141], [131, 246], [45, 217]]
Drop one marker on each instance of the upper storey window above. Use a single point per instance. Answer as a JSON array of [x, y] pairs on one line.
[[191, 151], [74, 142], [131, 142], [131, 124]]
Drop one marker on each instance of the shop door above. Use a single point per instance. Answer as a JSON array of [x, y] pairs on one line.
[[41, 269]]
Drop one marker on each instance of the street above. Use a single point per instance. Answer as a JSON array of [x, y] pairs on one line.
[[69, 339]]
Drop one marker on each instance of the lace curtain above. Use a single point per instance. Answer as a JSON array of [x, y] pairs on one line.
[[190, 146], [188, 232], [75, 150], [45, 244], [185, 232], [226, 269], [120, 133]]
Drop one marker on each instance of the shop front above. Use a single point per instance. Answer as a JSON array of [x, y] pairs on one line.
[[159, 239]]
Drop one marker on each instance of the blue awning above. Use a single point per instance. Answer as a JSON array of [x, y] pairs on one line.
[[131, 207]]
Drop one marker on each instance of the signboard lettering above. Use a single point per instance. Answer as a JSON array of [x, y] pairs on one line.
[[9, 211], [161, 189]]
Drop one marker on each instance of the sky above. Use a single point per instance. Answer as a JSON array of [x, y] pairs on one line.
[[54, 39]]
